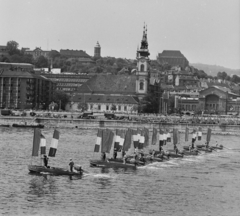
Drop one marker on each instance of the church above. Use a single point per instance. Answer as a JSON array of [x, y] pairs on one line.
[[118, 93]]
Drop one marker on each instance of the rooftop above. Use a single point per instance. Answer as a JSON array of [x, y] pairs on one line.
[[123, 84]]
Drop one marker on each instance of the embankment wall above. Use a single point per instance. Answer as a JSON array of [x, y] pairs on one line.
[[113, 124]]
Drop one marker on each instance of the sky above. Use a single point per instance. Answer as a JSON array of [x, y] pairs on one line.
[[205, 31]]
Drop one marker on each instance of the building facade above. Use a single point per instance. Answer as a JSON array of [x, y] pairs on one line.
[[37, 52], [67, 82], [25, 90]]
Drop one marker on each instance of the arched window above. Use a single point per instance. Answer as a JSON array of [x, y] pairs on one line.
[[142, 67], [141, 85]]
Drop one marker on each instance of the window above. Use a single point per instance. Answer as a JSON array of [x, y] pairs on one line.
[[142, 67], [99, 107], [107, 107], [119, 108], [141, 85], [125, 108], [91, 106]]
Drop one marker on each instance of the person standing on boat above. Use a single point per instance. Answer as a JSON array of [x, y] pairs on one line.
[[103, 156], [115, 153], [45, 160], [71, 164], [123, 154]]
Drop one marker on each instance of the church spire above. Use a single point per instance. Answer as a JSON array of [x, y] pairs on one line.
[[143, 51]]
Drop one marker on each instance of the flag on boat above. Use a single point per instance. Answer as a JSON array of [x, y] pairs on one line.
[[146, 137], [199, 133], [107, 140], [42, 145], [117, 139], [54, 144], [175, 136], [165, 137], [122, 137], [161, 137], [186, 134], [135, 139], [168, 136], [194, 135], [98, 141], [141, 140], [127, 140], [209, 131], [154, 136], [36, 141]]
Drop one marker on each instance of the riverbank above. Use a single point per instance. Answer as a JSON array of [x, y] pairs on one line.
[[117, 124]]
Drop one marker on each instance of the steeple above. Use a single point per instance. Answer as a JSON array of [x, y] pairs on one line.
[[143, 51], [143, 61]]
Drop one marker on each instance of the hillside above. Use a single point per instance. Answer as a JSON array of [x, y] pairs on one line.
[[214, 69]]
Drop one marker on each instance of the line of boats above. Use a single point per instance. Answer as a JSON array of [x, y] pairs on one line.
[[124, 141]]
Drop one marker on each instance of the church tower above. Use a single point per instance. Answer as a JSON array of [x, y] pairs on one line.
[[142, 72], [97, 51]]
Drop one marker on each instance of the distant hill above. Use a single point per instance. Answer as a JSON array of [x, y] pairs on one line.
[[214, 69]]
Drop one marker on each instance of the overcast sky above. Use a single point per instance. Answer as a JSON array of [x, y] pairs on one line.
[[205, 31]]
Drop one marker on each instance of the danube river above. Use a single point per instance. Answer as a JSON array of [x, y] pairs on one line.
[[208, 184]]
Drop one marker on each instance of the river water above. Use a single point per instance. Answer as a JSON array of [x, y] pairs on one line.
[[208, 184]]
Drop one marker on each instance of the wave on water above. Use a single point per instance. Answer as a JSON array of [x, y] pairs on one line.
[[100, 175]]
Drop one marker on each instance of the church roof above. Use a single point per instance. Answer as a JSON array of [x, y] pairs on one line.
[[110, 84], [171, 54]]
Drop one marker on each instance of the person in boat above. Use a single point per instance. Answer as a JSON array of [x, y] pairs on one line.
[[115, 153], [103, 156], [176, 149], [142, 159], [71, 164], [45, 160], [125, 159], [123, 154]]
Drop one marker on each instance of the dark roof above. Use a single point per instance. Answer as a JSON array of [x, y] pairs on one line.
[[122, 84], [22, 74], [105, 99], [171, 53], [75, 53]]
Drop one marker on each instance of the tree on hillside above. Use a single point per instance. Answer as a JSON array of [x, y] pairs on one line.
[[61, 98], [12, 47], [41, 62]]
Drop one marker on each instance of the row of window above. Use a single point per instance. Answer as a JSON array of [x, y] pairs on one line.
[[68, 84], [188, 107], [119, 108], [69, 80]]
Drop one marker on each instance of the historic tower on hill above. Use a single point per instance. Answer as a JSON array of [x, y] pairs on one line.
[[97, 51], [142, 72]]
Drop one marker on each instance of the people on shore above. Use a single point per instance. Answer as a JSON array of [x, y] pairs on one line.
[[103, 156]]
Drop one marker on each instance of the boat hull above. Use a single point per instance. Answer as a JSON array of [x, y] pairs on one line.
[[52, 170], [111, 164], [189, 153]]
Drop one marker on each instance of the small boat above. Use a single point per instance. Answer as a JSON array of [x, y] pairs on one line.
[[4, 125], [122, 142], [52, 170], [111, 164], [28, 126], [39, 142]]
